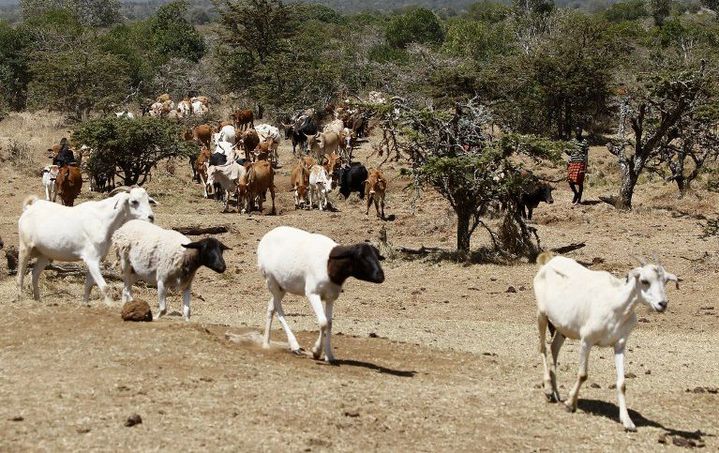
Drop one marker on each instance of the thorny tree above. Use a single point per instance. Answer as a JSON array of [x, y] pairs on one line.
[[453, 153], [653, 111]]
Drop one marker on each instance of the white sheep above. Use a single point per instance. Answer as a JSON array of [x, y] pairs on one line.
[[596, 308], [168, 258], [49, 231], [297, 262]]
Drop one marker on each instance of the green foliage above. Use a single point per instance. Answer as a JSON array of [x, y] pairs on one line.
[[659, 10], [477, 40], [77, 81], [92, 13], [488, 11], [173, 36], [418, 25], [383, 53], [14, 66], [133, 146], [626, 10]]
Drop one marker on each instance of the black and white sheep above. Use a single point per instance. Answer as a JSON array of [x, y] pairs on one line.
[[155, 255]]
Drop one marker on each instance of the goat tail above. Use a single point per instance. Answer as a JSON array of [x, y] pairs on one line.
[[544, 257], [29, 200]]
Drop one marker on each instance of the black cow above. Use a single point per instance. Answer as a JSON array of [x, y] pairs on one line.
[[218, 159], [304, 125], [532, 194], [351, 179]]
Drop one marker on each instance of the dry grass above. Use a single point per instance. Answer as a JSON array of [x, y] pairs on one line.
[[440, 357]]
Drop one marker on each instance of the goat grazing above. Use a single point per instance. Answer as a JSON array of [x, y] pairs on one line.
[[49, 231], [155, 255], [297, 262], [596, 308]]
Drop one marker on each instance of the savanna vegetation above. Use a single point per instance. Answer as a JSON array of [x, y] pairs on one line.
[[638, 76]]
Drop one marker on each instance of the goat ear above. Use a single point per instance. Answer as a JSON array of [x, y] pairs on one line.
[[192, 245], [634, 273], [669, 277], [153, 201]]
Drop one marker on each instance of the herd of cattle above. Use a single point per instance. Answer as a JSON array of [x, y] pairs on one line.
[[238, 158]]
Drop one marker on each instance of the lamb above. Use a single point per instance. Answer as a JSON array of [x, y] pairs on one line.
[[153, 254], [596, 308], [298, 262], [49, 231]]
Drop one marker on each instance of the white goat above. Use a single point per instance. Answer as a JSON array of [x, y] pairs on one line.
[[49, 231], [320, 186], [297, 262], [228, 176], [596, 308], [49, 175], [155, 255]]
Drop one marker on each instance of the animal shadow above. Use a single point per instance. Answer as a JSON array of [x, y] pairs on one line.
[[611, 411], [372, 366]]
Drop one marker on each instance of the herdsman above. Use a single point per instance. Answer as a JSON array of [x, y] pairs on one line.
[[577, 166]]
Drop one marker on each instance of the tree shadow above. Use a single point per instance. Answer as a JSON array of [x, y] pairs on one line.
[[611, 411], [372, 366]]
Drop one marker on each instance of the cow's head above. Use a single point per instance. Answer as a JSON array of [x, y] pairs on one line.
[[547, 193]]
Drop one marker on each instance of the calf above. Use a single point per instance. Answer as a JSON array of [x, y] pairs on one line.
[[250, 140], [300, 181], [375, 188], [351, 178], [320, 186], [253, 186], [243, 119], [68, 184], [49, 175], [531, 197]]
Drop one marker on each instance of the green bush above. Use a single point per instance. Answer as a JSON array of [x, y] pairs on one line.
[[419, 25]]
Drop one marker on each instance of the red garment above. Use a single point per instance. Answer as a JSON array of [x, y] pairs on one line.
[[576, 172]]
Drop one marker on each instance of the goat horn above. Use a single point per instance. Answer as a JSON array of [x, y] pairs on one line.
[[118, 190], [656, 259], [671, 278], [641, 260]]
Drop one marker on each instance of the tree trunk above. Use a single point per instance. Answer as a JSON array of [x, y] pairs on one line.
[[682, 185], [626, 191], [463, 231]]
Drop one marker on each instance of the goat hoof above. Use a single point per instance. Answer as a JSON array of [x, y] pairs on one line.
[[630, 428], [551, 398], [299, 351], [570, 408]]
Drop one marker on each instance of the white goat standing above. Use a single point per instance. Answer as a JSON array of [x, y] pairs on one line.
[[596, 308], [297, 262], [49, 231]]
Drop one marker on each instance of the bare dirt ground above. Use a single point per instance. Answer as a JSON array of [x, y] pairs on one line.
[[440, 357]]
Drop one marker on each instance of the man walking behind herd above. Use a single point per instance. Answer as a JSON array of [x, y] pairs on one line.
[[577, 166]]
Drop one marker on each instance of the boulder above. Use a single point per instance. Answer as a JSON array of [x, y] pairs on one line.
[[136, 310]]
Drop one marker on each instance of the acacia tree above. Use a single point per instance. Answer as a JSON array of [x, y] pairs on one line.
[[652, 110], [134, 147], [451, 153]]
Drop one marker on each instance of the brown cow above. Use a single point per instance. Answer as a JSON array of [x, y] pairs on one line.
[[254, 184], [200, 168], [250, 140], [300, 180], [203, 134], [375, 188], [68, 184], [244, 119]]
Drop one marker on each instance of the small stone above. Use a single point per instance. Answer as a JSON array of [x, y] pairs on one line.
[[83, 430], [136, 310], [643, 320], [522, 288], [680, 441], [662, 438], [493, 279], [133, 420], [648, 372], [17, 418], [351, 414], [630, 376], [373, 335], [594, 385], [511, 289]]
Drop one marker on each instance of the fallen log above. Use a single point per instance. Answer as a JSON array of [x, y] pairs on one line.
[[569, 248], [196, 231]]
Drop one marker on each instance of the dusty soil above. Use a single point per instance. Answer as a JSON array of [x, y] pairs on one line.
[[439, 357]]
